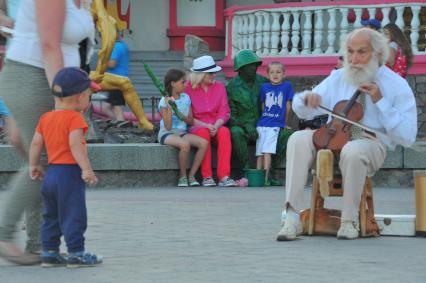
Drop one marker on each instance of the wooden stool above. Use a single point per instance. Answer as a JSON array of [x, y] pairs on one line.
[[368, 225]]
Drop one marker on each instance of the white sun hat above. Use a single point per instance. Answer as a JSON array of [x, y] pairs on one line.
[[205, 64]]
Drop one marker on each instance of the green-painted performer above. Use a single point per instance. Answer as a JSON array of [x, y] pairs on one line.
[[243, 98]]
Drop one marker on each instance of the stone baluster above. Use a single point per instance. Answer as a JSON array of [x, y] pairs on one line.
[[295, 37], [259, 17], [385, 12], [344, 23], [331, 36], [307, 30], [251, 30], [239, 33], [266, 34], [357, 23], [285, 27], [400, 17], [245, 32], [318, 32], [372, 13], [275, 31], [415, 23], [234, 40]]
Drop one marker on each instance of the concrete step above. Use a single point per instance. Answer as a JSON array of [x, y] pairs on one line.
[[159, 161]]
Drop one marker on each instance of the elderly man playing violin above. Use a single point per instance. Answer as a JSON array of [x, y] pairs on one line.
[[390, 118]]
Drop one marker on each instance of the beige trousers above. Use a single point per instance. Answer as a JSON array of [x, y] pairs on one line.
[[359, 158]]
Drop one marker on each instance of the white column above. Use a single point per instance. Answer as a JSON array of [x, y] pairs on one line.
[[331, 36], [372, 12], [399, 17], [245, 32], [259, 17], [357, 23], [239, 29], [307, 30], [251, 30], [266, 34], [385, 12], [285, 27], [415, 23], [295, 29], [318, 32], [275, 31], [343, 24]]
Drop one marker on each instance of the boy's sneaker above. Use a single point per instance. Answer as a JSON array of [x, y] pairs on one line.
[[52, 259], [183, 182], [83, 259], [227, 182], [193, 182], [208, 182]]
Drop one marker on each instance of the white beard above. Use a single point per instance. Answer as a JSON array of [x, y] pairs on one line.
[[359, 74]]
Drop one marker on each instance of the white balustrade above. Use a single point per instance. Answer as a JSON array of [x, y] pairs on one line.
[[309, 30]]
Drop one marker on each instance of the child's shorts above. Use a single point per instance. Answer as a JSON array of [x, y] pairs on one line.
[[267, 140]]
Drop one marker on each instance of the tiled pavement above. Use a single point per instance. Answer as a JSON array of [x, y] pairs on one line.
[[225, 235]]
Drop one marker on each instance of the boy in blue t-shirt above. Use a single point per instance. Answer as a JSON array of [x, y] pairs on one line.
[[276, 98]]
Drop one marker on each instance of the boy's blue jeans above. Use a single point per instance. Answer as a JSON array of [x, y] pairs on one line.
[[64, 212]]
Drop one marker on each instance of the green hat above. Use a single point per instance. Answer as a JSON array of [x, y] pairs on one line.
[[245, 57]]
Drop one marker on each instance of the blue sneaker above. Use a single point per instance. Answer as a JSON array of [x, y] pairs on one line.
[[52, 259], [83, 259]]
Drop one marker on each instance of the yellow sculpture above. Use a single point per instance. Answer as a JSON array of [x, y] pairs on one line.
[[106, 25]]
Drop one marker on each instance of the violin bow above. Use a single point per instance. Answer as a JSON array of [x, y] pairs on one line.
[[343, 118]]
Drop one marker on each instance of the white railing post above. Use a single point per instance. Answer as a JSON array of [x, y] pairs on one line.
[[259, 17], [275, 31], [285, 27], [245, 32], [343, 24], [331, 31], [385, 12], [240, 33], [357, 23], [266, 34], [415, 23], [295, 28], [318, 32], [400, 17], [307, 29], [251, 30]]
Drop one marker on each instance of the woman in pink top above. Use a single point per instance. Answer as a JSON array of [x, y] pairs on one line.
[[211, 111]]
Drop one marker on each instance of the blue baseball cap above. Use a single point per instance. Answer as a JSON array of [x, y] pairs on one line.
[[70, 81], [372, 22]]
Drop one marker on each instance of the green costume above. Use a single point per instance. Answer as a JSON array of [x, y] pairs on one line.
[[243, 98]]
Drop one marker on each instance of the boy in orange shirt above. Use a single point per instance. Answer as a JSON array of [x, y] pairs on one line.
[[62, 131]]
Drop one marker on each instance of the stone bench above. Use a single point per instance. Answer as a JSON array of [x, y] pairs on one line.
[[152, 164]]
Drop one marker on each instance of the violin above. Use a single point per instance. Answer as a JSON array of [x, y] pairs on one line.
[[335, 134]]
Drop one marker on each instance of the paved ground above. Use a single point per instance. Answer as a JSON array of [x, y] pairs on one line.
[[225, 235]]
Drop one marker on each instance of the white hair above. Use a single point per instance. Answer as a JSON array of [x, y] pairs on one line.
[[358, 74], [196, 78], [378, 41]]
